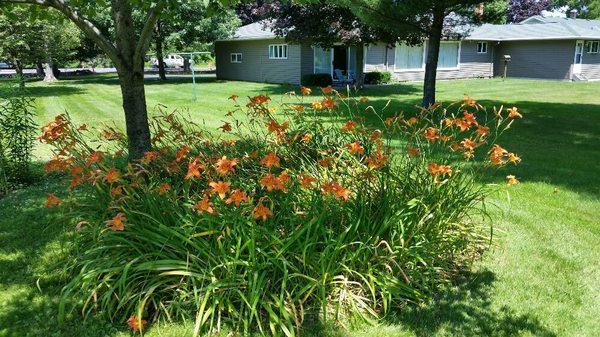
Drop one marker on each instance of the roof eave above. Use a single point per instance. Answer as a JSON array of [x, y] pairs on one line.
[[255, 38]]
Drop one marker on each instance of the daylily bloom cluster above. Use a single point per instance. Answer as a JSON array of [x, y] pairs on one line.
[[273, 168]]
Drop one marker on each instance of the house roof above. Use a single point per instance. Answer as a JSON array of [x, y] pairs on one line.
[[539, 28], [534, 28], [255, 31]]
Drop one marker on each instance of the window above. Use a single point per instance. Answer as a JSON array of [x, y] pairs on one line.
[[481, 47], [592, 47], [408, 57], [278, 51], [236, 57], [323, 61], [449, 55]]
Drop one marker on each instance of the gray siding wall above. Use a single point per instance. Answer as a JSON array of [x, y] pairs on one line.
[[256, 65], [591, 66], [471, 64], [537, 59], [307, 60]]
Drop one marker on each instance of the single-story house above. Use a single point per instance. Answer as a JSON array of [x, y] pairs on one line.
[[539, 47]]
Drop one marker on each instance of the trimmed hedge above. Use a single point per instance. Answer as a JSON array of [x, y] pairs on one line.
[[317, 80], [378, 77]]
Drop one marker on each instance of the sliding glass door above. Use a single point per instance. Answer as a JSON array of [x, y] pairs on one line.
[[323, 61]]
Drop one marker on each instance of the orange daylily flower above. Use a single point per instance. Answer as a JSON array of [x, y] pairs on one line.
[[413, 151], [118, 222], [337, 190], [83, 127], [112, 175], [135, 324], [432, 134], [468, 144], [274, 127], [94, 157], [204, 205], [512, 180], [307, 137], [298, 108], [261, 212], [237, 197], [349, 126], [513, 158], [233, 97], [355, 147], [258, 100], [437, 170], [149, 157], [482, 130], [182, 153], [164, 188], [220, 187], [317, 106], [270, 160], [273, 183], [305, 91], [306, 180], [412, 121], [52, 201], [497, 154], [194, 168], [377, 159], [325, 162], [56, 164], [115, 191], [225, 166], [327, 90], [329, 103], [226, 127], [514, 113]]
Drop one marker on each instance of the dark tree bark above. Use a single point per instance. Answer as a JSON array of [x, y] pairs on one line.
[[162, 75], [433, 55], [39, 69], [136, 114], [360, 55], [19, 72]]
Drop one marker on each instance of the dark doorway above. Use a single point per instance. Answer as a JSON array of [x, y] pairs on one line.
[[340, 60]]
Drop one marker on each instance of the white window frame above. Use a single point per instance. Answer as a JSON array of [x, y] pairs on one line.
[[484, 47], [590, 47], [406, 70], [457, 58], [236, 57], [276, 54]]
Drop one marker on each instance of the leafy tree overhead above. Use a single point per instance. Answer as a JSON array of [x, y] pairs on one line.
[[20, 41], [519, 10], [126, 47], [413, 21]]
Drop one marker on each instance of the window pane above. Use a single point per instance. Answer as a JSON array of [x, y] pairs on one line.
[[322, 60], [448, 55], [408, 57]]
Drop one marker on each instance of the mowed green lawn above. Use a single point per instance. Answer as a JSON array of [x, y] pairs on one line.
[[541, 277]]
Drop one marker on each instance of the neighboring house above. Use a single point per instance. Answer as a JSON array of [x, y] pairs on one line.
[[548, 48]]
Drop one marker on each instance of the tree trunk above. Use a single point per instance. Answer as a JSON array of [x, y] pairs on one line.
[[136, 114], [162, 75], [433, 55], [360, 54], [39, 69], [19, 72], [49, 71]]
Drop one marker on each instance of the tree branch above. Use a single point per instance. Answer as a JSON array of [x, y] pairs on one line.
[[146, 35], [84, 24]]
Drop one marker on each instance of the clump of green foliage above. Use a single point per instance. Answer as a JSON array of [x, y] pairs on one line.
[[378, 77], [276, 216], [17, 134]]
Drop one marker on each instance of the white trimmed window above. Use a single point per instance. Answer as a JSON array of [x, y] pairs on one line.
[[409, 57], [482, 47], [278, 51], [593, 47], [236, 57], [449, 55]]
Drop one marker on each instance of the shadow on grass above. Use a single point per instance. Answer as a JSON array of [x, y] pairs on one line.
[[467, 310]]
